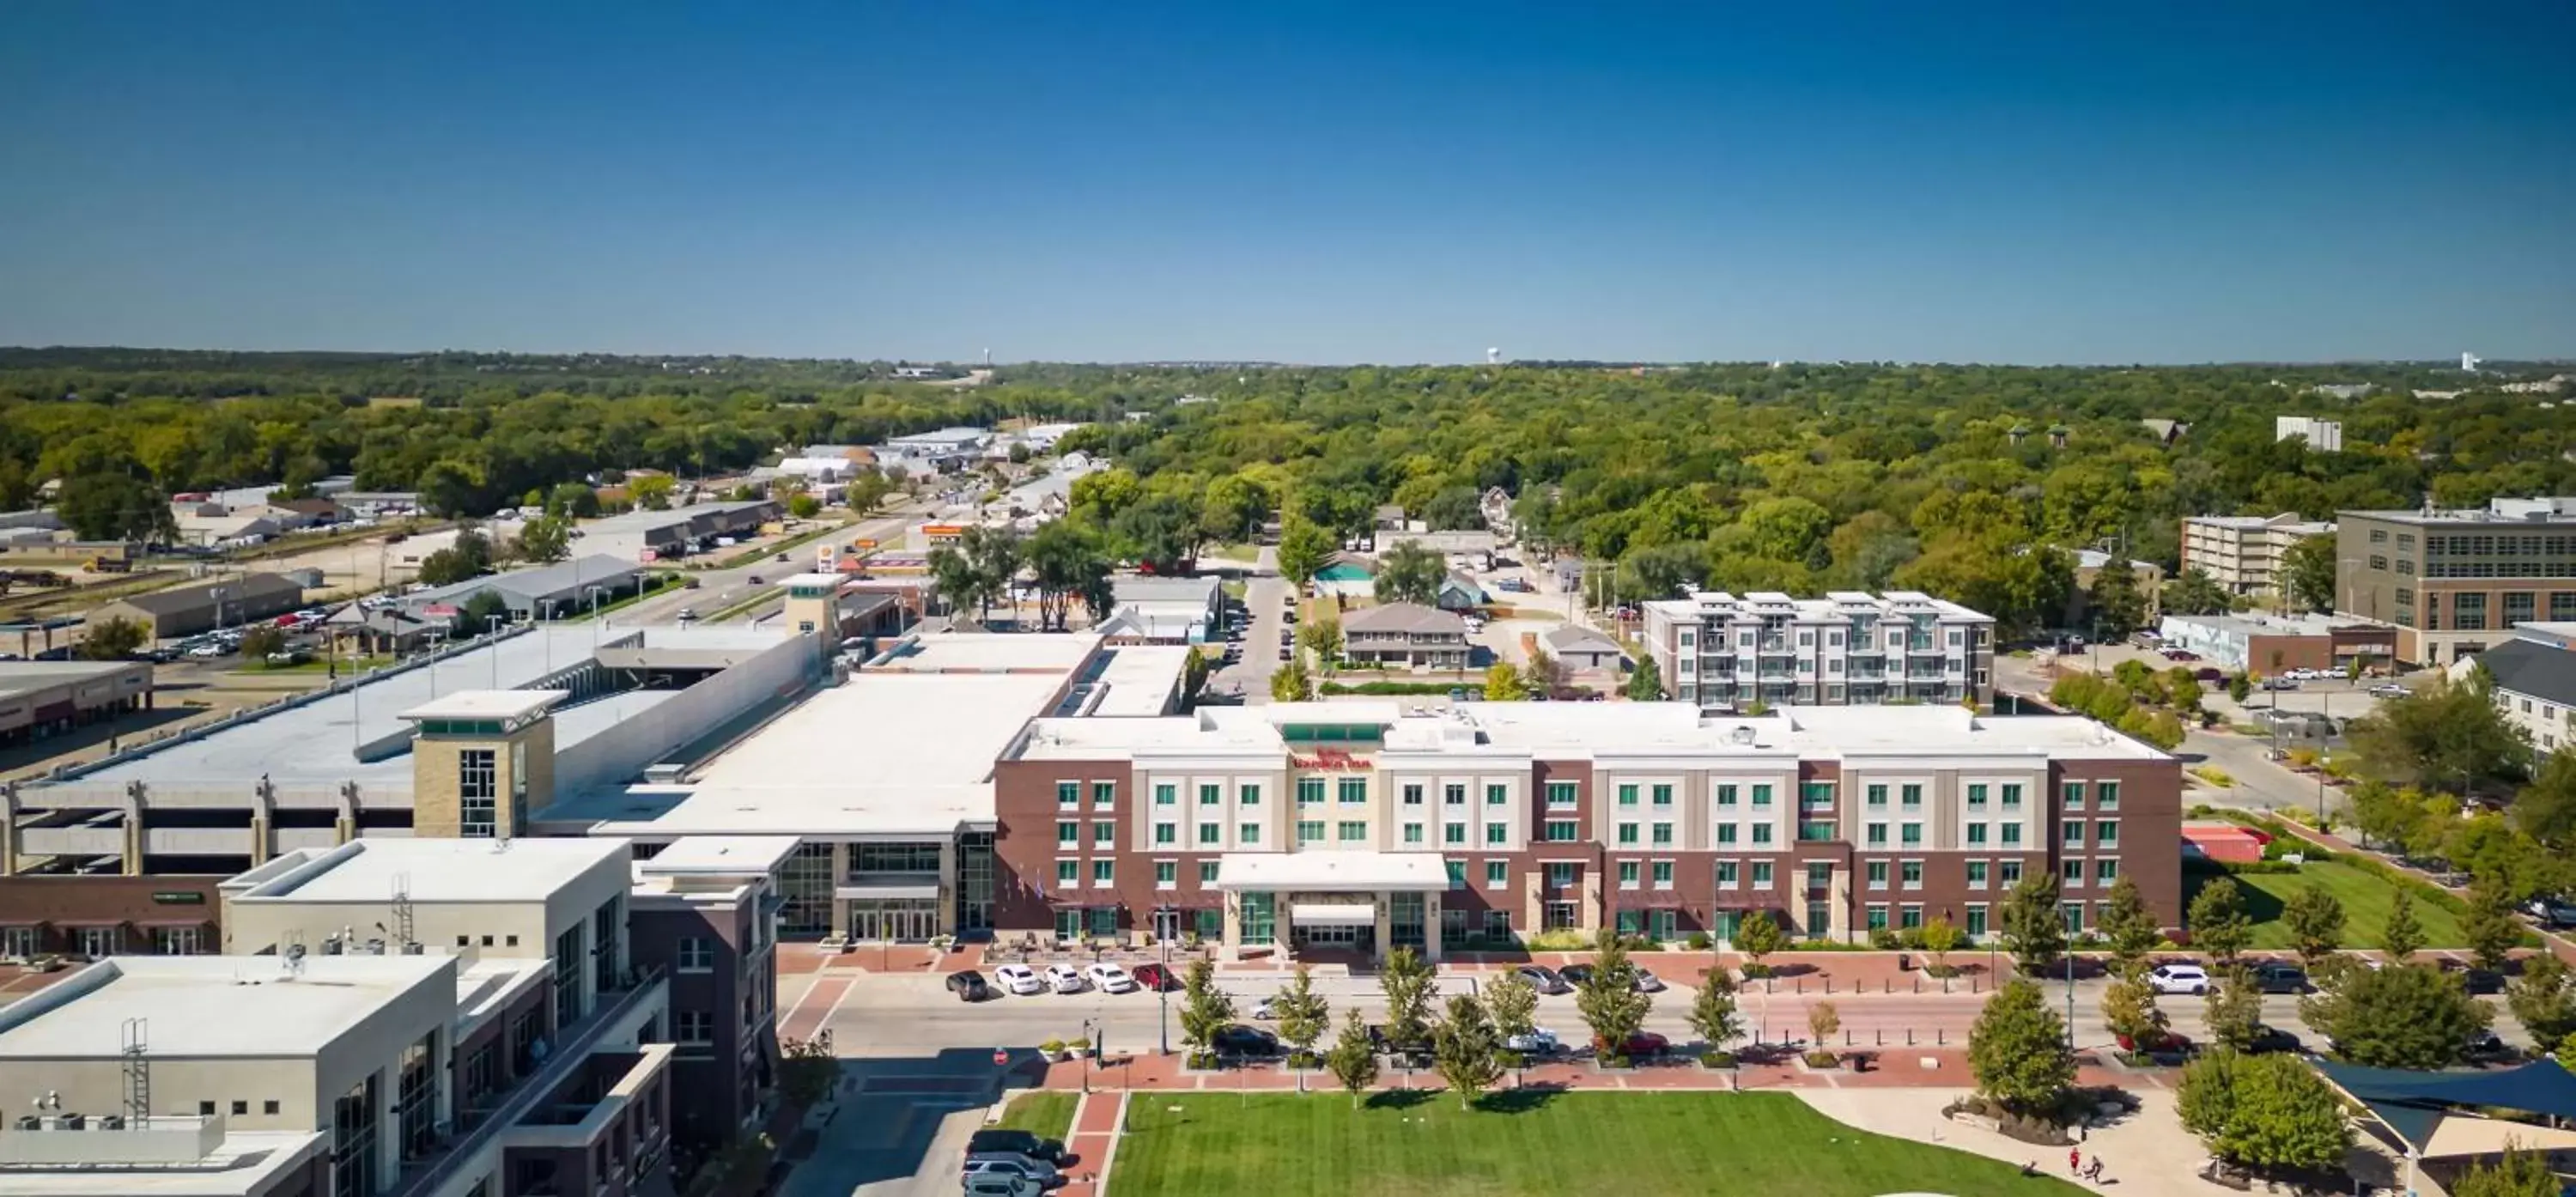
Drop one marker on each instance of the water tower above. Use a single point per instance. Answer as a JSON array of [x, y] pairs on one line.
[[1493, 356]]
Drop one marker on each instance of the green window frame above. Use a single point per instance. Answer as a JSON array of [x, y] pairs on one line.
[[1761, 833], [2071, 833], [1627, 833], [1910, 795], [1104, 793], [1761, 874], [1877, 795], [1103, 871], [1876, 874], [1762, 794], [1726, 874], [1249, 795], [1976, 874], [1211, 795], [1660, 874], [1498, 795], [1660, 833], [1726, 795], [1561, 831], [2106, 795], [1628, 874], [1560, 793], [1910, 835], [1453, 795], [1166, 794], [1247, 833], [1627, 795], [1412, 794], [1453, 833], [2074, 795], [1310, 832], [1815, 831], [1815, 793], [1166, 833], [1875, 835], [1977, 795], [1976, 833], [1068, 793], [2012, 834], [1726, 833], [1353, 790], [1104, 831], [1661, 795], [1310, 791], [1496, 833], [1167, 873], [1210, 833], [2106, 833], [1498, 873], [1068, 832], [1457, 873], [1352, 831], [1068, 872], [2012, 795], [1207, 873]]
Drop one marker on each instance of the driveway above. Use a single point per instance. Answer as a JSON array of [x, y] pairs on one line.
[[1265, 594]]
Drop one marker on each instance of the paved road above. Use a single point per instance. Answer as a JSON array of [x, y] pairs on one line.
[[1265, 595], [720, 589]]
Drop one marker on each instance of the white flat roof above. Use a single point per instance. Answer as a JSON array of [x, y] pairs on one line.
[[1139, 679], [442, 870], [990, 652], [721, 854], [244, 1162], [487, 704], [1328, 870], [210, 1007]]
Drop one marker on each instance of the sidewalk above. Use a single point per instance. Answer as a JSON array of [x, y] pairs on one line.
[[1889, 1068]]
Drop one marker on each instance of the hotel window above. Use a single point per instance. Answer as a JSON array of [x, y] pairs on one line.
[[1977, 919], [1663, 795], [1628, 795], [1498, 874], [1310, 831], [1068, 872], [1498, 924], [1310, 791], [1412, 795], [1726, 874], [1497, 795], [1662, 834], [1247, 833], [1211, 795], [2012, 795], [1103, 872], [1815, 831], [1165, 833], [1104, 832], [1976, 833], [1627, 833], [1167, 874], [1210, 833], [1560, 793], [2106, 796], [1453, 833], [1495, 833], [1068, 793], [1068, 833], [2012, 834], [2105, 872], [1207, 872], [1413, 833], [1165, 795], [2071, 872], [1762, 795], [1877, 874], [1457, 873], [1910, 874], [1976, 874], [2008, 873], [1761, 874], [2106, 834], [2074, 795], [1354, 790], [1977, 796], [1104, 794], [1247, 795], [1761, 833], [1627, 874], [1561, 831], [1910, 796], [1875, 835], [1726, 795], [1453, 795], [696, 955], [2072, 834], [1908, 917], [1877, 918], [1878, 795], [1661, 873], [1726, 833], [1353, 831], [1910, 835]]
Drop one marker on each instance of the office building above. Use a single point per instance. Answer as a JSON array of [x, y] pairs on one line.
[[2274, 644], [1729, 653], [2324, 436], [2454, 581], [2242, 553]]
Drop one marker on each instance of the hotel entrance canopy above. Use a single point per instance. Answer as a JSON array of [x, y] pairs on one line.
[[1325, 871]]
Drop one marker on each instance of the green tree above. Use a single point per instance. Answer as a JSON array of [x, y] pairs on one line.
[[1410, 573], [2315, 921], [2130, 927], [2017, 1049], [572, 500], [1205, 1009], [1713, 1014], [544, 540], [115, 505], [1353, 1059], [2543, 998], [2489, 927], [1292, 682], [1407, 981], [2402, 935], [804, 506], [2400, 1016], [113, 639], [2117, 606], [2218, 922], [1757, 936], [2268, 1111], [2194, 593], [2033, 929], [1304, 550], [1645, 681], [2235, 1007], [2516, 1173], [1235, 506], [2129, 1011], [2545, 810], [485, 611], [1066, 561], [1942, 937], [1303, 1017], [1467, 1051], [2449, 737], [651, 492], [1608, 998], [2308, 573], [258, 642], [1513, 1003], [1504, 683], [1322, 636], [2239, 687]]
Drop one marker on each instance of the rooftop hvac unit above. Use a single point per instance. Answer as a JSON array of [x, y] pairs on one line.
[[110, 1122], [72, 1122], [28, 1122]]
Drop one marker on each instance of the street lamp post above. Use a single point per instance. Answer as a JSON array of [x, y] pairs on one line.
[[1163, 993]]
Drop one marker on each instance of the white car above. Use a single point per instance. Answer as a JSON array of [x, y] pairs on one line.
[[1648, 982], [1064, 977], [1110, 978], [1539, 1042], [2179, 978], [1018, 978]]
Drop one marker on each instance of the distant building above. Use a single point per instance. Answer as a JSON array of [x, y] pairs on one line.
[[2089, 564], [2324, 436], [1405, 635], [1726, 652], [2535, 681], [557, 591], [2272, 644], [2242, 553], [1578, 647], [2454, 581], [1164, 610], [1458, 592], [2167, 431], [188, 610]]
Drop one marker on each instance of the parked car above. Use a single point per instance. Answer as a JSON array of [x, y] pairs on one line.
[[688, 613], [1244, 1040], [1157, 979], [1543, 979], [1018, 978], [2485, 1047], [2179, 978], [2388, 690], [2272, 1039], [969, 986], [2476, 980], [1022, 1166], [1064, 978], [1576, 974], [1110, 978], [997, 1184], [997, 1141], [2280, 683], [1642, 1045], [2553, 912], [1419, 1049], [1648, 982], [2275, 976], [1539, 1042]]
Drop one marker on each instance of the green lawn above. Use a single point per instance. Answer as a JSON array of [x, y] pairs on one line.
[[1244, 553], [1631, 1144], [2365, 899], [1044, 1113]]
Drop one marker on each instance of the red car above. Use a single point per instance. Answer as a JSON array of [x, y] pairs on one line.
[[1154, 978], [1643, 1044]]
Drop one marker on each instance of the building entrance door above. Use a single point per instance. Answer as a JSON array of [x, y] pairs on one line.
[[1167, 925], [1343, 937]]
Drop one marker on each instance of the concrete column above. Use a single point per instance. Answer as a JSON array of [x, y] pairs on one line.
[[1384, 942], [1431, 927], [840, 909], [1591, 908], [389, 1138], [1233, 941], [345, 827], [8, 829], [951, 890], [1532, 903], [263, 822], [135, 804]]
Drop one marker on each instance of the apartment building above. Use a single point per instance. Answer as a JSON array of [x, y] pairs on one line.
[[1365, 826], [1730, 653], [2454, 581], [1404, 636], [2534, 674], [2324, 436], [2242, 553]]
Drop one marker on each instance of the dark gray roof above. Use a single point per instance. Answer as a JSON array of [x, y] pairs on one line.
[[1577, 638], [189, 598], [1405, 618], [535, 582], [2534, 669]]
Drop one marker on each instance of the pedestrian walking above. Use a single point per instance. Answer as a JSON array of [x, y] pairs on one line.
[[2093, 1171], [2074, 1161]]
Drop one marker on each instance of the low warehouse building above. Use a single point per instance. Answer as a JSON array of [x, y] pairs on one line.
[[206, 606]]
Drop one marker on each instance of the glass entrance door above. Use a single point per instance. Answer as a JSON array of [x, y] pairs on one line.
[[1167, 925]]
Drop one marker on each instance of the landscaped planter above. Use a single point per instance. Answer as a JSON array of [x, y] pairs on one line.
[[1839, 1064]]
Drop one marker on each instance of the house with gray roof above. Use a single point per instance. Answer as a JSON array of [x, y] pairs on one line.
[[1577, 647], [1407, 635]]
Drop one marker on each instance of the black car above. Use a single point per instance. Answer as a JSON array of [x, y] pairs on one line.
[[996, 1141], [2273, 976], [2476, 980], [1576, 974], [1420, 1050], [2485, 1047], [1543, 979], [1243, 1040], [2272, 1039], [969, 986]]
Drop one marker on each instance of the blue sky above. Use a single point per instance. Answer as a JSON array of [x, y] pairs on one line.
[[2043, 182]]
